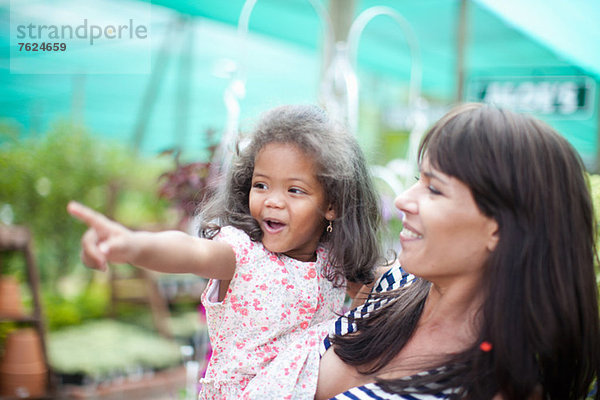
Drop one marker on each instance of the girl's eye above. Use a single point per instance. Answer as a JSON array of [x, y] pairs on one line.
[[296, 191], [259, 185]]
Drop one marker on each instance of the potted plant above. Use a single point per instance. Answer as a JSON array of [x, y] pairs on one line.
[[11, 238], [23, 370]]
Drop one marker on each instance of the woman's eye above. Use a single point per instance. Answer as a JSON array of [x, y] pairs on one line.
[[433, 190]]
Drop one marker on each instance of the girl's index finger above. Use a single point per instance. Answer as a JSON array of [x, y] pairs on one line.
[[85, 214]]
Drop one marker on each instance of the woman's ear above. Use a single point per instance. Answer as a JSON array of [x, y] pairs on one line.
[[494, 235]]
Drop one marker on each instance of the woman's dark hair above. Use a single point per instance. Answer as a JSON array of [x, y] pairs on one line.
[[353, 244], [540, 312]]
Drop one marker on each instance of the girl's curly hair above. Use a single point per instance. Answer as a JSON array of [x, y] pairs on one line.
[[353, 244]]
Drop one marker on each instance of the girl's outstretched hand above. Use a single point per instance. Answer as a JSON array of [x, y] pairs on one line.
[[105, 240]]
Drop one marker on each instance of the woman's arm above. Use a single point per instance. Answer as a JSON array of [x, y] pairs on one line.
[[170, 251], [335, 376]]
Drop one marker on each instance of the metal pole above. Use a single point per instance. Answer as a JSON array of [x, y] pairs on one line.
[[341, 13], [461, 35], [147, 105], [184, 85], [596, 165]]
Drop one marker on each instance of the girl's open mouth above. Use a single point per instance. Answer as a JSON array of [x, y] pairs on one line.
[[274, 226]]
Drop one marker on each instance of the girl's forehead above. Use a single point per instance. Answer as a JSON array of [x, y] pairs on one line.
[[280, 144], [286, 160], [274, 147]]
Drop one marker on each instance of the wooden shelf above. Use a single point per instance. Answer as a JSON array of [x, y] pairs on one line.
[[45, 397], [24, 318], [141, 288], [14, 237], [18, 239], [164, 384]]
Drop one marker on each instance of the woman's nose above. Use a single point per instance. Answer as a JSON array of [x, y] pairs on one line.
[[406, 202]]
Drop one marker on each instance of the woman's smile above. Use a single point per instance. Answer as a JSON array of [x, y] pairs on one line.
[[408, 234]]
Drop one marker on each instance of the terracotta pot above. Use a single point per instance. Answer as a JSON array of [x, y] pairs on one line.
[[10, 297], [23, 372]]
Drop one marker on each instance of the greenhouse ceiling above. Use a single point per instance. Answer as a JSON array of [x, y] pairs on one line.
[[167, 92]]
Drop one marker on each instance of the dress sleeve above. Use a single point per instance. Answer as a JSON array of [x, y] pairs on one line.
[[239, 241], [243, 248]]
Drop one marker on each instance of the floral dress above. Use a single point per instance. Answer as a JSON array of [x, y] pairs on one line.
[[266, 332]]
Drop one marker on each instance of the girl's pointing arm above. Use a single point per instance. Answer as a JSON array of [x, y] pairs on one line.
[[169, 251]]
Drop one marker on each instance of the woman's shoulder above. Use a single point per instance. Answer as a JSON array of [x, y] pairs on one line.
[[373, 391], [416, 391], [394, 278]]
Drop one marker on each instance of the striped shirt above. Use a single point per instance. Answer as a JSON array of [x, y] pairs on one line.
[[394, 278]]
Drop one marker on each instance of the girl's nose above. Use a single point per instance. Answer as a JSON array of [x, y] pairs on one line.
[[274, 201], [406, 202]]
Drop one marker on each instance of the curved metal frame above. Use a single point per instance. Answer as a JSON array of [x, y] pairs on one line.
[[390, 172], [236, 89], [360, 24]]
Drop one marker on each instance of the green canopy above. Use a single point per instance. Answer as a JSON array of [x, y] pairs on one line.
[[511, 54]]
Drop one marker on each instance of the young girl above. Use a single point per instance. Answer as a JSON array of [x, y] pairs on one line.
[[295, 224]]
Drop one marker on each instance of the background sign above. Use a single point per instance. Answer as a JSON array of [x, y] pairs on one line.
[[569, 97]]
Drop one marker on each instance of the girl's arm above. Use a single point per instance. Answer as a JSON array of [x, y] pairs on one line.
[[170, 251], [359, 293]]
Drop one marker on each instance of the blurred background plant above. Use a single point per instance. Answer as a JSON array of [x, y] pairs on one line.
[[104, 350], [594, 180], [40, 175], [187, 183]]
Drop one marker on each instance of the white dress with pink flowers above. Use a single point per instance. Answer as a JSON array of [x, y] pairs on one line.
[[266, 332]]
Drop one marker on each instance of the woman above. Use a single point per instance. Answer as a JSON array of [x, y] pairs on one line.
[[497, 295]]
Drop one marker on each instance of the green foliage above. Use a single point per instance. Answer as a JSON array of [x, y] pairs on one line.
[[101, 349], [182, 324], [41, 174], [62, 311], [594, 181], [6, 327], [13, 263]]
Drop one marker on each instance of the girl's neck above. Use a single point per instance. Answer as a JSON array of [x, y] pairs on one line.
[[303, 257]]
